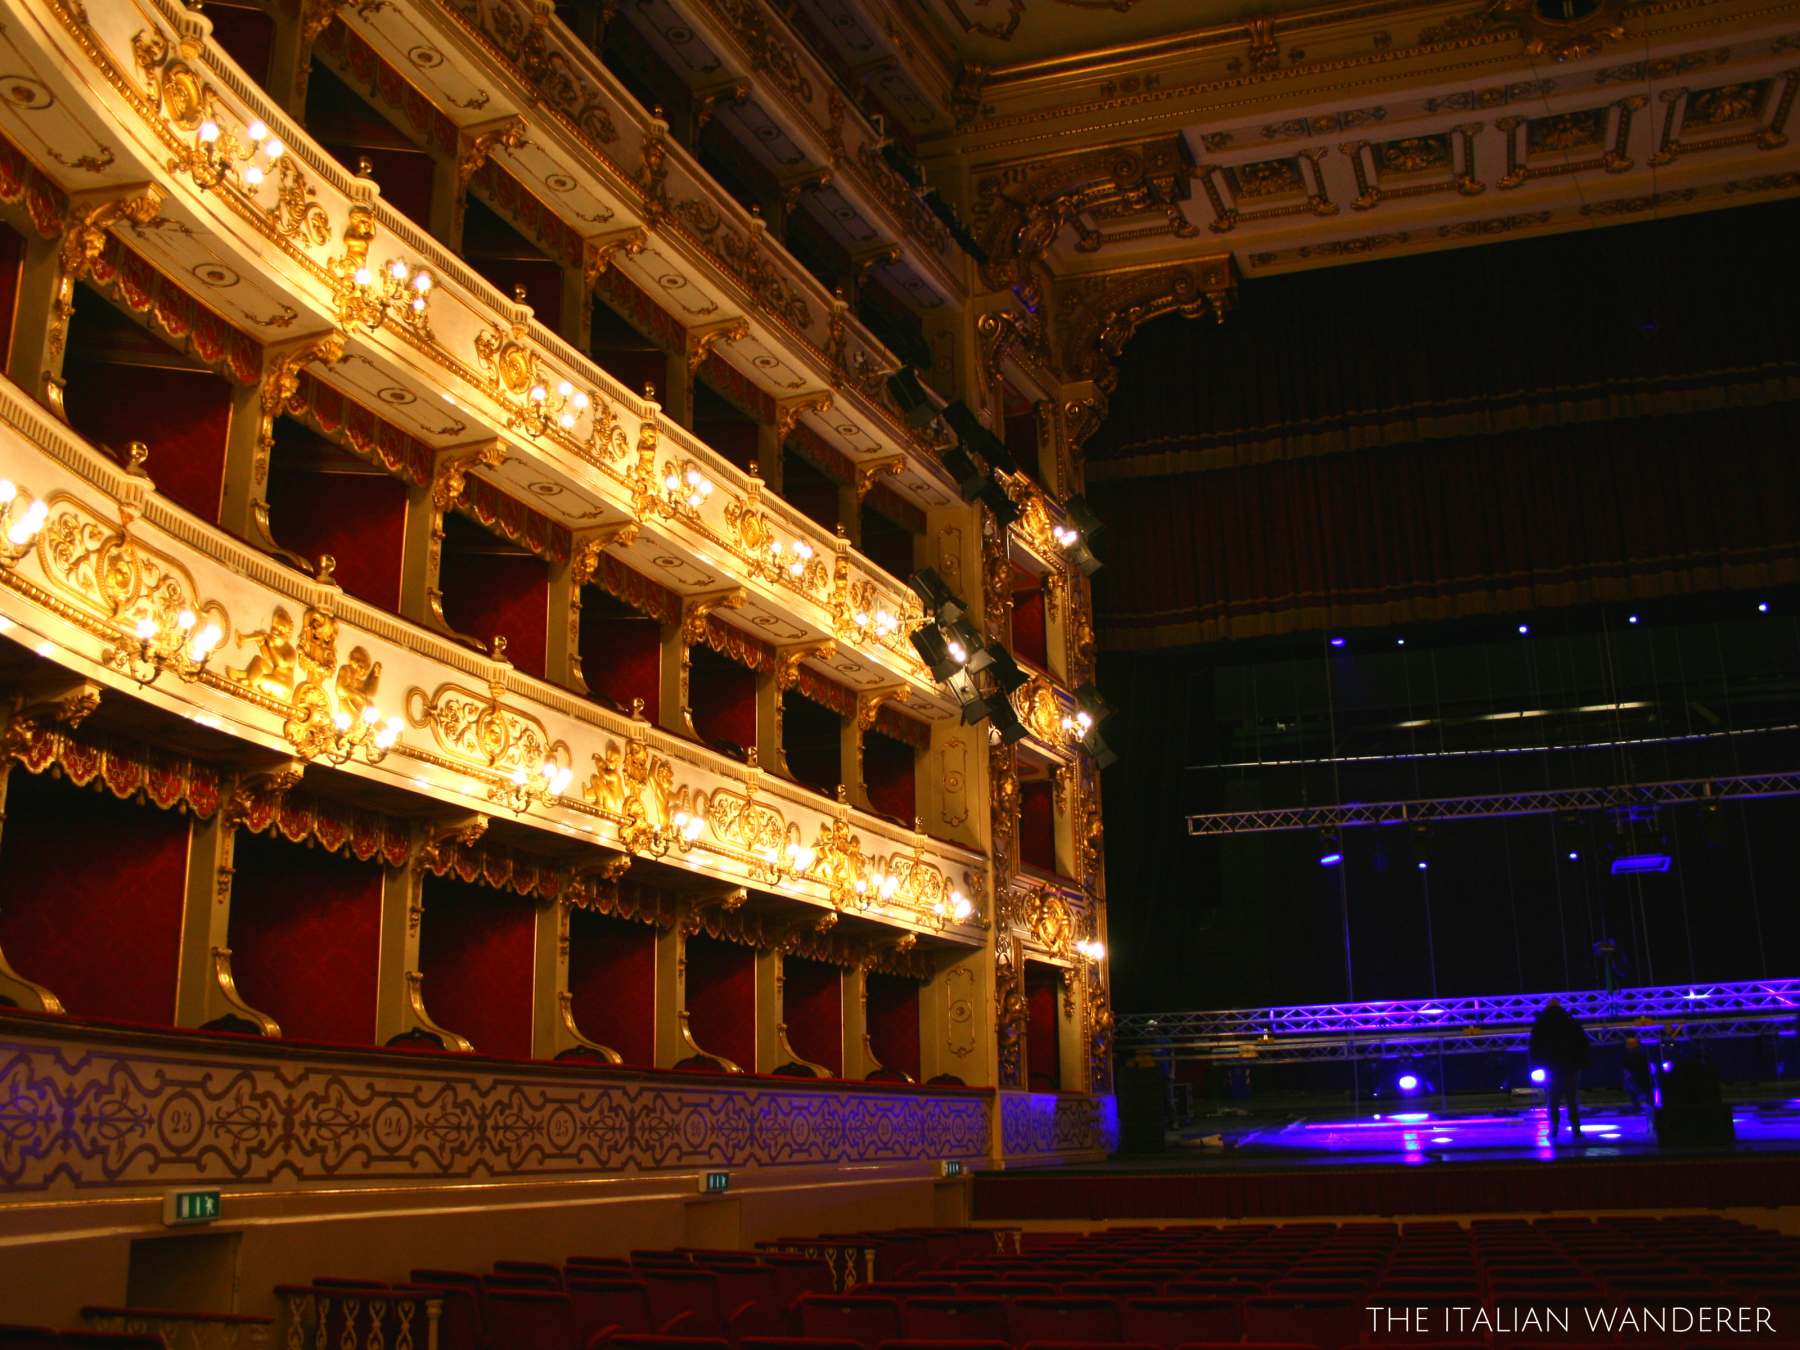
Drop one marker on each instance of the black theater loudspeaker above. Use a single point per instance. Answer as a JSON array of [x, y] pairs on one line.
[[1692, 1113], [1140, 1093]]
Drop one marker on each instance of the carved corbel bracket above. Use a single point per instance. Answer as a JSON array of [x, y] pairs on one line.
[[598, 252], [265, 786], [707, 99], [701, 341], [1099, 313], [695, 608], [433, 840], [91, 218], [788, 660], [450, 475], [415, 1002], [227, 990], [281, 381], [870, 470], [25, 713], [588, 548], [789, 411], [817, 180], [477, 146], [565, 1007], [869, 703]]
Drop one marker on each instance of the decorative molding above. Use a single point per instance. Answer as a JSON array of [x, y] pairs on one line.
[[1098, 313]]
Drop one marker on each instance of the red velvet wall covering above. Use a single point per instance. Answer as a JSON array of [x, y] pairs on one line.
[[475, 950], [811, 743], [500, 593], [721, 998], [812, 1005], [722, 698], [612, 975], [248, 35], [183, 416], [358, 518], [1440, 529], [93, 896], [893, 1021], [12, 258], [1029, 637], [1043, 1060], [889, 777], [305, 938], [1022, 440], [541, 278], [621, 658], [1037, 824], [634, 369]]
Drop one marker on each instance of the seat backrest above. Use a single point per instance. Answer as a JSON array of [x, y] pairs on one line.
[[640, 1342], [964, 1318], [530, 1319], [684, 1302], [346, 1282], [851, 1317], [603, 1305], [1110, 1289], [1094, 1321], [1324, 1320], [463, 1279], [459, 1316], [1171, 1322], [750, 1299], [16, 1336], [547, 1284], [572, 1264], [542, 1269], [112, 1340]]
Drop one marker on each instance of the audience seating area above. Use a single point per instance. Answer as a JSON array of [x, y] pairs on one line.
[[1298, 1286]]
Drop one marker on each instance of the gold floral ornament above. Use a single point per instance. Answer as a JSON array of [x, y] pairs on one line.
[[639, 791], [218, 159], [183, 651], [21, 519], [536, 404], [332, 713], [521, 761], [685, 489], [395, 295], [777, 853]]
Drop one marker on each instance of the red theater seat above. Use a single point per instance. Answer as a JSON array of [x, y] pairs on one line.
[[1090, 1321], [851, 1317], [944, 1345], [906, 1289], [1110, 1289], [956, 1319], [530, 1319], [603, 1307], [684, 1302], [795, 1343], [111, 1340], [668, 1343], [1170, 1322], [1324, 1320], [14, 1336]]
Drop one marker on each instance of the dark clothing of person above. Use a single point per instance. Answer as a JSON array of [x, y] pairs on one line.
[[1560, 1047], [1637, 1075]]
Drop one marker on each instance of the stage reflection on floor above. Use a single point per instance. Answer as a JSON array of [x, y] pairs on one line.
[[1425, 1136]]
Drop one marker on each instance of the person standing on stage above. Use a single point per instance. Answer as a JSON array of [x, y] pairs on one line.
[[1560, 1048]]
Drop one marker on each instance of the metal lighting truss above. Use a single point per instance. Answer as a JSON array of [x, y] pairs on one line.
[[1680, 793], [1478, 1024]]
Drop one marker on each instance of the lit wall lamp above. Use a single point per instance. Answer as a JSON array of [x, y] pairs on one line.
[[521, 789], [185, 651], [545, 409], [1078, 536], [20, 531], [363, 731], [1093, 715], [956, 909]]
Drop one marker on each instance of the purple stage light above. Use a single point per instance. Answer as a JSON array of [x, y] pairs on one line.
[[1408, 1082], [1338, 642], [1537, 1075], [1330, 859]]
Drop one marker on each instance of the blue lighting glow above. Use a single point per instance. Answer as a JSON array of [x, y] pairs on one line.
[[1640, 862], [1412, 1116], [1337, 642], [1763, 608], [1537, 1075], [1330, 859], [1524, 628], [1401, 641], [1667, 1068], [1632, 619], [1423, 865], [1408, 1082], [1574, 855]]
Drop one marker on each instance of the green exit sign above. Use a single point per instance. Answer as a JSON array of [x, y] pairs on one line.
[[181, 1207], [950, 1167], [715, 1183]]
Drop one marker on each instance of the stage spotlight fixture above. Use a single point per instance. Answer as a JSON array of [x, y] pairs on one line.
[[1632, 619], [1570, 835], [910, 394], [1418, 833], [970, 477], [1524, 628], [1400, 641], [1712, 823], [1331, 849], [1763, 608], [942, 605], [975, 436], [1099, 713], [994, 497], [1084, 518], [1408, 1082], [934, 651], [1001, 715], [1423, 864], [1006, 670], [1337, 642], [901, 163], [1078, 536], [1537, 1075]]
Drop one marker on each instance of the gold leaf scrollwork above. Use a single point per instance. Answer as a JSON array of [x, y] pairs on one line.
[[480, 730]]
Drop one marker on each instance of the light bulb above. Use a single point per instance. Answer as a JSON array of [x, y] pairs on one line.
[[693, 477], [35, 513], [341, 721], [862, 886], [549, 769], [581, 400], [565, 389], [394, 725], [795, 569], [518, 778], [384, 739], [671, 482], [419, 305], [397, 270], [567, 420], [208, 639], [538, 393], [209, 131], [19, 534], [560, 785], [7, 490], [253, 176], [774, 548], [363, 276], [805, 860], [693, 828], [958, 653], [770, 855], [422, 282], [185, 620], [146, 629], [370, 715], [793, 849], [681, 818], [274, 148], [257, 132], [862, 620], [706, 487], [804, 549]]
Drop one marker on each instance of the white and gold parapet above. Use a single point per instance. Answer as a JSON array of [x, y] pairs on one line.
[[125, 589]]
